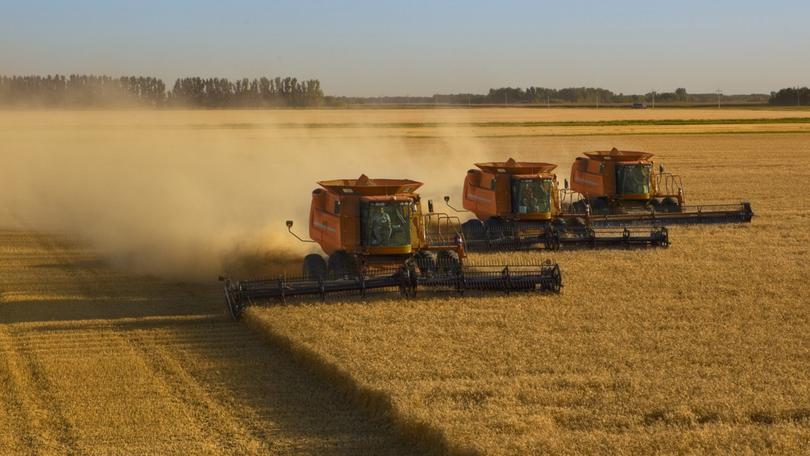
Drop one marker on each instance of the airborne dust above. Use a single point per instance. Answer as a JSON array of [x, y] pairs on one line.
[[190, 195]]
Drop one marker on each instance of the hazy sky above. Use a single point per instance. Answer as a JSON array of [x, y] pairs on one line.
[[421, 47]]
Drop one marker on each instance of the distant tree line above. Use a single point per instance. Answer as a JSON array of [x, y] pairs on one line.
[[255, 93], [795, 96], [566, 97], [87, 91], [78, 91], [81, 91]]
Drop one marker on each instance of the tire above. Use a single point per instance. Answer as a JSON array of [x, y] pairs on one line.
[[559, 224], [670, 205], [314, 266], [497, 228], [578, 207], [599, 206], [425, 262], [473, 230], [447, 262], [655, 204], [342, 264]]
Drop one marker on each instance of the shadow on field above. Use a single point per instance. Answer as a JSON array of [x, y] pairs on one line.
[[251, 393], [244, 392]]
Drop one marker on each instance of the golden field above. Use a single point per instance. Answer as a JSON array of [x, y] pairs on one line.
[[114, 338]]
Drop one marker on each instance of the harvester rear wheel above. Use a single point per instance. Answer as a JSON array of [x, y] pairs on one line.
[[314, 266], [342, 264]]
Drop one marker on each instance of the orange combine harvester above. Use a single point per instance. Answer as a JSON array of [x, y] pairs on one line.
[[620, 186], [616, 198], [376, 237], [520, 205]]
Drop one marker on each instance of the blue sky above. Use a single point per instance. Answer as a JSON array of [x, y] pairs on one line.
[[421, 47]]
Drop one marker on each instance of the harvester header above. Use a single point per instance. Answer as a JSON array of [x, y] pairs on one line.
[[619, 155], [370, 187], [515, 167]]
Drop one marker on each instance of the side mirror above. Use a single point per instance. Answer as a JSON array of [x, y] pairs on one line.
[[430, 206], [565, 183], [289, 224], [661, 168], [446, 198]]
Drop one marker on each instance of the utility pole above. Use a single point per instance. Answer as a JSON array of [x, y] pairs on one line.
[[719, 94]]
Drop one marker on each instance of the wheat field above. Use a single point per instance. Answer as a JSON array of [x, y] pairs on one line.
[[114, 339]]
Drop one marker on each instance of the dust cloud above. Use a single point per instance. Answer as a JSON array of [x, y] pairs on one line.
[[190, 195]]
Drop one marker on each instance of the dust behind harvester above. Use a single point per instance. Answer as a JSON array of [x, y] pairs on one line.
[[376, 236]]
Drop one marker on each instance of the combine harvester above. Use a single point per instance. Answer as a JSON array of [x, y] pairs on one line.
[[619, 187], [377, 237], [519, 205]]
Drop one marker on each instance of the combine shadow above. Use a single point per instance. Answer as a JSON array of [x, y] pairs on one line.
[[220, 370], [216, 367]]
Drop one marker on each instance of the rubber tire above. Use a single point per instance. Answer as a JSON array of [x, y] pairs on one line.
[[497, 228], [578, 207], [670, 205], [559, 224], [447, 262], [599, 206], [425, 262], [342, 264], [314, 266], [473, 230]]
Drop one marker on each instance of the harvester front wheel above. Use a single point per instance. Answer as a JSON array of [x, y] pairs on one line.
[[670, 205], [599, 206], [314, 266], [426, 262], [342, 264], [447, 262], [473, 230]]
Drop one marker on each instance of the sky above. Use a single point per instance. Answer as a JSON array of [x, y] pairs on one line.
[[382, 47]]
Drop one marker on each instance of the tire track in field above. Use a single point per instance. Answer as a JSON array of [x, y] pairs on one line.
[[236, 394], [21, 408], [38, 406], [209, 415]]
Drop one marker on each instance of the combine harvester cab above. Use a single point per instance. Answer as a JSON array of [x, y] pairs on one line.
[[518, 205], [377, 238], [619, 187]]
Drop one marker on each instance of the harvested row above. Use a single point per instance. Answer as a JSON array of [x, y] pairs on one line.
[[77, 376]]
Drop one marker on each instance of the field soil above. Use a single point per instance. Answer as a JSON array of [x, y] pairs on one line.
[[114, 226]]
